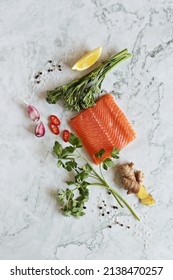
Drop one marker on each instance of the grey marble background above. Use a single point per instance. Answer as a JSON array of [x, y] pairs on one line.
[[33, 32]]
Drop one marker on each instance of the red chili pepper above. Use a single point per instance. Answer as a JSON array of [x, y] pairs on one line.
[[54, 119], [66, 135], [54, 128]]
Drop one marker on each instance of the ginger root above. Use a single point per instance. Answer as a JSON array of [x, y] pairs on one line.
[[132, 179]]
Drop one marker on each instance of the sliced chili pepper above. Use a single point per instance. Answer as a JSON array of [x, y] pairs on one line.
[[66, 135], [54, 119], [54, 128]]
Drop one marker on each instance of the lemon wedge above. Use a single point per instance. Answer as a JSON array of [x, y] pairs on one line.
[[149, 200], [142, 194], [87, 60], [145, 198]]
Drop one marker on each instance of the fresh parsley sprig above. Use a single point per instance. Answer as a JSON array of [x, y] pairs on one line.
[[85, 176]]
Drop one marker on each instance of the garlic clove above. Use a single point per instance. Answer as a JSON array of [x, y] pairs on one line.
[[40, 130], [33, 113]]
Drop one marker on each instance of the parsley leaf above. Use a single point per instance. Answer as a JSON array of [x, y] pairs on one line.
[[87, 168], [67, 151], [57, 149], [70, 165], [75, 141], [81, 176], [115, 153], [107, 163], [100, 153]]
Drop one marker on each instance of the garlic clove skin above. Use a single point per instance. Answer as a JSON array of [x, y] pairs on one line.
[[40, 130], [33, 113]]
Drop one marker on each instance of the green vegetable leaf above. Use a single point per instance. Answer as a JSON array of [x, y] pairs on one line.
[[79, 213], [75, 141], [70, 183], [70, 165], [57, 149], [67, 212], [61, 195], [100, 153], [67, 151], [81, 176], [73, 206], [87, 168], [107, 163], [69, 194], [115, 153], [84, 192], [59, 163]]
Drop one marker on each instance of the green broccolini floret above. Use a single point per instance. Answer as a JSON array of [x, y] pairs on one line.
[[80, 93]]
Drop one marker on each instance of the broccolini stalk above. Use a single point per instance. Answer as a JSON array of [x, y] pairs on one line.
[[79, 94]]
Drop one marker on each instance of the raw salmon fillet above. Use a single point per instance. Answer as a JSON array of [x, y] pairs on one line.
[[103, 126]]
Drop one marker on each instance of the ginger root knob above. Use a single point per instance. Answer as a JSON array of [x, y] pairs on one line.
[[131, 179]]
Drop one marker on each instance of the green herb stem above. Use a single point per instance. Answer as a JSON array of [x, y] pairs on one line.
[[100, 168], [126, 56], [115, 193], [128, 206], [97, 184]]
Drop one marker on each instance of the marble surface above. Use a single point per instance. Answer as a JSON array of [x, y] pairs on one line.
[[31, 34]]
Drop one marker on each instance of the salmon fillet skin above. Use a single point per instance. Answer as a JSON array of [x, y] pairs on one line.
[[103, 126]]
